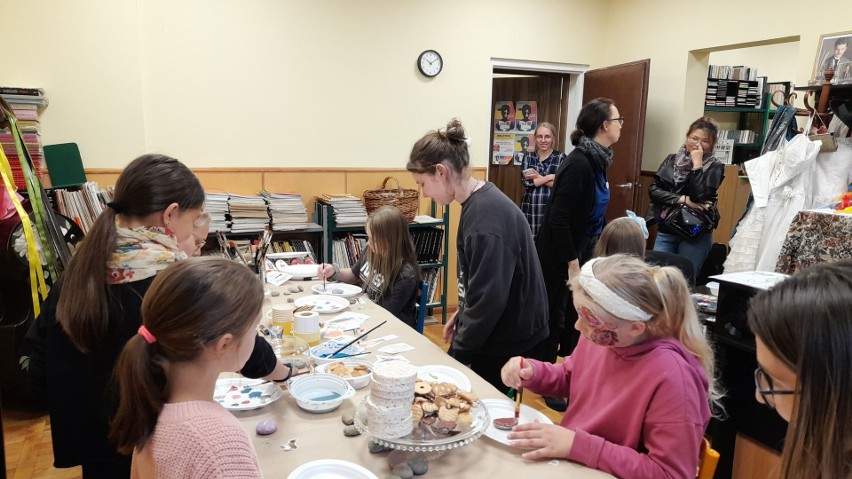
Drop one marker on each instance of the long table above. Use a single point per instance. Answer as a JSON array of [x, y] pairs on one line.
[[320, 436]]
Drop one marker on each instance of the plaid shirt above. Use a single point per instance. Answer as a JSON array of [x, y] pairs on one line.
[[536, 198]]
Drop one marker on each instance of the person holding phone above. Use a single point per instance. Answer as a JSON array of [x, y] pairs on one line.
[[539, 171]]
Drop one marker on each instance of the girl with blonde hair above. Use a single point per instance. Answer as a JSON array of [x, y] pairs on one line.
[[639, 383]]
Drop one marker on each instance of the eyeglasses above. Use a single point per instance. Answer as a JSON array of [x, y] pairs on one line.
[[763, 384], [697, 140], [620, 120], [199, 242]]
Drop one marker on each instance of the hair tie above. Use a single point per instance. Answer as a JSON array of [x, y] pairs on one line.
[[606, 298], [115, 207], [149, 338], [639, 221]]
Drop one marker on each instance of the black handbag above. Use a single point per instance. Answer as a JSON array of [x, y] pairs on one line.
[[689, 223]]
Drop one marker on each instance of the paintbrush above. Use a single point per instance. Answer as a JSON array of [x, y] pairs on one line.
[[350, 343]]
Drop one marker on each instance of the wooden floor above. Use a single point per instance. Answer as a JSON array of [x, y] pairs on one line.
[[28, 447]]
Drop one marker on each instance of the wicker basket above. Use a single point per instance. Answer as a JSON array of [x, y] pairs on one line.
[[406, 200]]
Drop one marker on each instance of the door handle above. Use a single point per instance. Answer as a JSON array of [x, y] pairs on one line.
[[629, 186]]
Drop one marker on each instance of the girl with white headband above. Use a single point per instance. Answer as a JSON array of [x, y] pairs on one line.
[[640, 382]]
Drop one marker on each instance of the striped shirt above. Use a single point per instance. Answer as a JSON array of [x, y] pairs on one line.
[[536, 198]]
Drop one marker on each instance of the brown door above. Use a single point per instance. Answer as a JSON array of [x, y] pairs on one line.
[[627, 86], [548, 92]]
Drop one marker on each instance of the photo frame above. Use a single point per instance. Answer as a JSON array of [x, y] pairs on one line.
[[833, 50]]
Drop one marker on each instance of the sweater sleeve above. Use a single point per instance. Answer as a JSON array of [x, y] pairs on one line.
[[550, 379], [227, 455], [572, 185], [262, 360], [492, 264]]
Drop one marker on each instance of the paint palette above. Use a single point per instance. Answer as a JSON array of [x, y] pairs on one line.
[[241, 394]]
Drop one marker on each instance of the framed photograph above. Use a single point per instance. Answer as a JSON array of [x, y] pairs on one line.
[[834, 51]]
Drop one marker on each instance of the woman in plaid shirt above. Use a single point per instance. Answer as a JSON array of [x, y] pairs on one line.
[[539, 170]]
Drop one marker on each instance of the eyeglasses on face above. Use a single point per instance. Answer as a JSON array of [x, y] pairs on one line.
[[620, 120], [696, 140], [764, 386], [199, 242]]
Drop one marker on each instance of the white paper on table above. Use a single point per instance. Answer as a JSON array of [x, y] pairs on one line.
[[277, 278], [396, 348], [347, 321], [377, 341], [755, 279]]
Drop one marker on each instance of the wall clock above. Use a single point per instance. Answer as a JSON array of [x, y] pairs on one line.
[[430, 63]]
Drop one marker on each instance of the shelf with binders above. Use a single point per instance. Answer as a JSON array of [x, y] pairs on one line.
[[745, 119], [344, 244]]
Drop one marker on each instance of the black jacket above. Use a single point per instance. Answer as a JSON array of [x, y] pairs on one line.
[[78, 388], [700, 186], [566, 219]]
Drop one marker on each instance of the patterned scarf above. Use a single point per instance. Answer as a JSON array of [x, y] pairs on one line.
[[683, 164], [601, 155], [140, 253]]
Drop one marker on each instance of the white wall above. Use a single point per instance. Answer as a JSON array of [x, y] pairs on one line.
[[666, 31], [277, 82]]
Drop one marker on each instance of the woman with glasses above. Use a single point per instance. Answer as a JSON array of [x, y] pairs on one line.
[[692, 177], [200, 229], [537, 174], [803, 332], [574, 219]]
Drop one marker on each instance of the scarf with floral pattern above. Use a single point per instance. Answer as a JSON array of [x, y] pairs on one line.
[[141, 253]]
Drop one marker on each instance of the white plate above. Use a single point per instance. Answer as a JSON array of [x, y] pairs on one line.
[[437, 373], [348, 290], [301, 271], [498, 408], [323, 304], [240, 394], [331, 469]]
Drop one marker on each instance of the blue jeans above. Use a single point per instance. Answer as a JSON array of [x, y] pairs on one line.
[[694, 251]]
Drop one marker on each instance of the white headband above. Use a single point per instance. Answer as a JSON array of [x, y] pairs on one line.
[[606, 298]]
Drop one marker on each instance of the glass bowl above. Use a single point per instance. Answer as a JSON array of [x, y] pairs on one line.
[[435, 446]]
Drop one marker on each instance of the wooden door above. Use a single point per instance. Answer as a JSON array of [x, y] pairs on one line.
[[550, 93], [627, 86]]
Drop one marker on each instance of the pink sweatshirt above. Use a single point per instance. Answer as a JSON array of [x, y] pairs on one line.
[[196, 439], [638, 412]]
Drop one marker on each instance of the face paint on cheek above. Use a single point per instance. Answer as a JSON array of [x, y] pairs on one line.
[[604, 332]]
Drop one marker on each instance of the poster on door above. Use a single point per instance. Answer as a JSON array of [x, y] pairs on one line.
[[522, 147], [503, 149], [504, 116], [526, 116]]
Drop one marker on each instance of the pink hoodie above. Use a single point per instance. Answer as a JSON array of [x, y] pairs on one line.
[[638, 411]]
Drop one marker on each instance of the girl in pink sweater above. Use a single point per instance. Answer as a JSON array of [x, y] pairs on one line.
[[198, 320], [638, 383]]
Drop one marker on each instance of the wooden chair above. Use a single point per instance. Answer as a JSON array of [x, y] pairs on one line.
[[421, 306], [708, 458]]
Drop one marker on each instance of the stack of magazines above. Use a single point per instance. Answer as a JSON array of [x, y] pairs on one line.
[[249, 214], [348, 210], [216, 205], [287, 211]]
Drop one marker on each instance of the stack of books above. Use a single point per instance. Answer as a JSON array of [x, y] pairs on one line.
[[428, 244], [347, 250], [733, 87], [216, 205], [83, 204], [249, 214], [287, 211], [349, 210], [27, 104], [430, 276]]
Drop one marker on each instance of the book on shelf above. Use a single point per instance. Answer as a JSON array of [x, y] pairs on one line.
[[81, 204]]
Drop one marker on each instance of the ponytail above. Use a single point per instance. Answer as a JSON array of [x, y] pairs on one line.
[[680, 321], [83, 311], [142, 389]]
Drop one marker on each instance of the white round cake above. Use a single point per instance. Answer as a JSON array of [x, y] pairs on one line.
[[391, 395]]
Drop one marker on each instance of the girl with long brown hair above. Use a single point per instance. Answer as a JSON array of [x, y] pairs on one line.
[[803, 332], [639, 383], [198, 320], [93, 309], [388, 269]]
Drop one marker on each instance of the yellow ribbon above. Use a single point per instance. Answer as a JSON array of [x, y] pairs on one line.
[[36, 272]]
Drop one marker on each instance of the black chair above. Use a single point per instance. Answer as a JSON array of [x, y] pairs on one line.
[[662, 258]]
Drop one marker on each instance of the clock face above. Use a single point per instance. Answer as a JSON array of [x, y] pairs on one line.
[[430, 63]]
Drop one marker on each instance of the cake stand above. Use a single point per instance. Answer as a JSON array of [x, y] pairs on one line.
[[432, 447]]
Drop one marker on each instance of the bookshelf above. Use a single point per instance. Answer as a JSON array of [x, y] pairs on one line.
[[747, 119], [431, 242]]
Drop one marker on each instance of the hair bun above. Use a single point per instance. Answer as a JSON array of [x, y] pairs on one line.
[[455, 130]]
